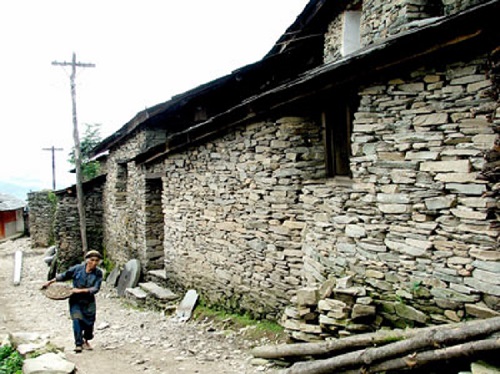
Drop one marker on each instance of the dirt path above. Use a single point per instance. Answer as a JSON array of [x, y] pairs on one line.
[[127, 340]]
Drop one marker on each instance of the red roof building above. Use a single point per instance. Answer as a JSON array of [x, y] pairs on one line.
[[11, 216]]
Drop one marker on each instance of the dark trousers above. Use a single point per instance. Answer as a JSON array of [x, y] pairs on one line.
[[83, 316], [82, 330]]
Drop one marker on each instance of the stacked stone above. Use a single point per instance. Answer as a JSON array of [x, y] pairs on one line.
[[234, 215], [42, 208], [455, 6], [67, 224], [382, 19], [335, 309], [123, 193], [154, 256], [416, 225]]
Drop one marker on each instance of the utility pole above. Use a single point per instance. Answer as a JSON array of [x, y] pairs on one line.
[[78, 162], [53, 149]]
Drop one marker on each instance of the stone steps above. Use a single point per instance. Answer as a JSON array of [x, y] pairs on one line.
[[150, 294], [157, 276], [158, 292]]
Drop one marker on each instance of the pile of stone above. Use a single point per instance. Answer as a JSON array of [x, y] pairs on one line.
[[336, 309], [47, 358]]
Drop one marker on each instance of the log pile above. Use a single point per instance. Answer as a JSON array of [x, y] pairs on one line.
[[389, 350]]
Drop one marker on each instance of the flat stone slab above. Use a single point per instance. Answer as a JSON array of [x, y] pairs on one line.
[[129, 276], [137, 293], [185, 308], [161, 274], [157, 291], [112, 279], [50, 363]]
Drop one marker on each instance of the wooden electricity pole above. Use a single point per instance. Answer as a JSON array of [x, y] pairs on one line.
[[53, 149], [78, 161]]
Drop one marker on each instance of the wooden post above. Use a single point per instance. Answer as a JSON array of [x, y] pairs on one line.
[[76, 138]]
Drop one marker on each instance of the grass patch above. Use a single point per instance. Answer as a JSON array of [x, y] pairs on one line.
[[11, 361], [244, 325]]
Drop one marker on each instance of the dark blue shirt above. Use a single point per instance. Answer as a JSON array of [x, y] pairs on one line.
[[82, 279]]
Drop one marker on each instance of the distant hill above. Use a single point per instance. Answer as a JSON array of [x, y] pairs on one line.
[[21, 192]]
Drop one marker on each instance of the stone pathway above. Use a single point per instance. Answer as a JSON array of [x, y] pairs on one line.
[[127, 340]]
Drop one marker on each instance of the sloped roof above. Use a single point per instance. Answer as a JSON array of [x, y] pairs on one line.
[[9, 202], [293, 70], [278, 66]]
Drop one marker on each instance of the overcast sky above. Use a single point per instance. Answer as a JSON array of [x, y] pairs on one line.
[[144, 51]]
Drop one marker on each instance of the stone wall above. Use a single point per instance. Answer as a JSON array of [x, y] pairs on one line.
[[415, 229], [333, 41], [251, 222], [67, 223], [382, 19], [249, 218], [133, 216], [232, 215], [455, 6], [154, 255], [42, 206]]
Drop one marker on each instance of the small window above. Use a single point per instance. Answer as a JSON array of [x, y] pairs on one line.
[[351, 34], [337, 124]]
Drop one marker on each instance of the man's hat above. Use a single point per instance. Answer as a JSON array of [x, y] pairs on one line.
[[93, 254]]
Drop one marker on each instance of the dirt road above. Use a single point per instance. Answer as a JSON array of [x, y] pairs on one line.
[[127, 340]]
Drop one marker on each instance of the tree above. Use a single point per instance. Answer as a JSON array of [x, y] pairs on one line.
[[91, 138]]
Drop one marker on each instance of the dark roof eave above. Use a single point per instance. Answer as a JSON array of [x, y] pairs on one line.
[[101, 178], [473, 28], [273, 58], [142, 117]]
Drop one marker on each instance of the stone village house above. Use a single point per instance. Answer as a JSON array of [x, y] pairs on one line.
[[361, 148]]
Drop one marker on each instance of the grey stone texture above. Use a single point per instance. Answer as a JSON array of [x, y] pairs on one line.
[[251, 222], [42, 209], [67, 224]]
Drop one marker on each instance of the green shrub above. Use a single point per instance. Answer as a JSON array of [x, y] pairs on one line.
[[11, 362]]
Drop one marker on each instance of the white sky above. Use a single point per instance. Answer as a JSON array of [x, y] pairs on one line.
[[145, 52]]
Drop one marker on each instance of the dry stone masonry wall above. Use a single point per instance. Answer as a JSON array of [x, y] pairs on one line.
[[415, 230], [381, 19], [232, 216], [67, 224], [124, 212], [42, 206]]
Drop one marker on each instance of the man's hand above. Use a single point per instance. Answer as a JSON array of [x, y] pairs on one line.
[[47, 284]]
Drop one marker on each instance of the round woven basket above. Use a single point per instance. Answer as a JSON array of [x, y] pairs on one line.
[[58, 291]]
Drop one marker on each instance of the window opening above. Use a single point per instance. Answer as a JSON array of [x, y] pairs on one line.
[[351, 34], [337, 124]]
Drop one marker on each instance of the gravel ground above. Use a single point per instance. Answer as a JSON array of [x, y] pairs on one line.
[[127, 340]]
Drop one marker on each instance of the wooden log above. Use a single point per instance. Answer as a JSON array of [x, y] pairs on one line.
[[459, 351], [295, 350], [351, 343], [424, 340]]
